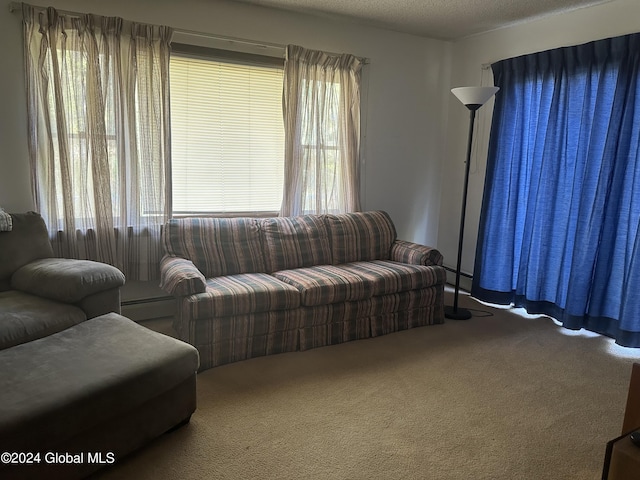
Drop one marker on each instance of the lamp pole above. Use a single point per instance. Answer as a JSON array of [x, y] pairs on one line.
[[453, 312], [473, 98]]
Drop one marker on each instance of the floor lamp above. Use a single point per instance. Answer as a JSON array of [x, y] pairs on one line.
[[472, 98]]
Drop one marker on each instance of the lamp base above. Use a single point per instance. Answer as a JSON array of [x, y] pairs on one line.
[[458, 314]]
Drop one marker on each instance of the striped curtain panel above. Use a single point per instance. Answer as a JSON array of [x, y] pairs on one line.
[[322, 132], [97, 90]]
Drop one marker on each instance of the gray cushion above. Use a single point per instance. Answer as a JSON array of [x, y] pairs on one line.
[[28, 240], [66, 280], [57, 387], [25, 317]]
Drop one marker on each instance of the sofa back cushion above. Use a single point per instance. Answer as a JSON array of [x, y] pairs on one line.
[[217, 246], [28, 240], [293, 242], [360, 236]]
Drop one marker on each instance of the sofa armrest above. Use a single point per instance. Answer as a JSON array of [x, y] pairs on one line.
[[414, 253], [66, 280], [180, 277]]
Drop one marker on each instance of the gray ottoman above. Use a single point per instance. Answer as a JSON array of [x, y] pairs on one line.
[[80, 399]]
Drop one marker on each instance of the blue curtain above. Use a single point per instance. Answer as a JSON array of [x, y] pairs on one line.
[[561, 208]]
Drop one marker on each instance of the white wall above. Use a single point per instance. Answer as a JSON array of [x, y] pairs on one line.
[[404, 107], [618, 17]]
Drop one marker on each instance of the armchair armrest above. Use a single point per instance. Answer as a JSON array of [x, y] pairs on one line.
[[414, 253], [179, 277], [66, 280]]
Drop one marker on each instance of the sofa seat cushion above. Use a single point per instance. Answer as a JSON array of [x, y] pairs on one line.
[[396, 277], [242, 294], [25, 317], [324, 284]]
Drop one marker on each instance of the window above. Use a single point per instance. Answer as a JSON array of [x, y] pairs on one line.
[[320, 148], [98, 129], [227, 132], [322, 118]]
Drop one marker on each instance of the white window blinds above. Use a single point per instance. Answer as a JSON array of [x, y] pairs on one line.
[[227, 135]]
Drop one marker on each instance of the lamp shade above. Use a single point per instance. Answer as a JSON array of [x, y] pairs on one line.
[[474, 97]]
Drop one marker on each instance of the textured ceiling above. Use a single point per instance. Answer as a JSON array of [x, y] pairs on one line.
[[443, 19]]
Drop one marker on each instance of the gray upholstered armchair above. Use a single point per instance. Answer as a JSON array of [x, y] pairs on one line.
[[41, 295]]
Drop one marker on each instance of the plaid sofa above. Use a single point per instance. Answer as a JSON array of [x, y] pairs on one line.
[[247, 287]]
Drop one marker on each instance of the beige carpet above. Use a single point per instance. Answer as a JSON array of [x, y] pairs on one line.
[[494, 397]]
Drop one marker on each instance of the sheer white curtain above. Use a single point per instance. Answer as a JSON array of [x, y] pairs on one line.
[[322, 132], [97, 91]]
